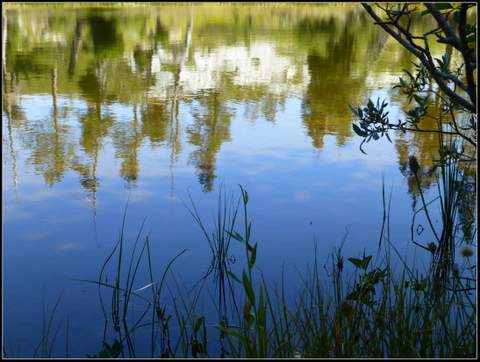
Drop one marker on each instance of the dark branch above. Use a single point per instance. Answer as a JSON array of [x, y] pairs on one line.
[[424, 55]]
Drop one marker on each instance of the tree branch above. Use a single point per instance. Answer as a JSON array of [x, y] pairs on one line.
[[466, 51], [424, 55], [443, 23]]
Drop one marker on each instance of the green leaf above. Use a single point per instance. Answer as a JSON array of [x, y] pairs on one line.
[[160, 313], [388, 137], [251, 262], [244, 194], [356, 262], [359, 131], [236, 236], [234, 277], [249, 226], [420, 100], [361, 263], [443, 6], [230, 332], [370, 105], [471, 38], [116, 349], [247, 285], [198, 324], [366, 260], [261, 308]]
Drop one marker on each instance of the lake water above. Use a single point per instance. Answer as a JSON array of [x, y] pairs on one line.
[[148, 105]]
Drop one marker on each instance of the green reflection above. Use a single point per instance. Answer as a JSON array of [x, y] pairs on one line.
[[154, 60]]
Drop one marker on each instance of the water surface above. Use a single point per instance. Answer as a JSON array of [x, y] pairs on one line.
[[147, 104]]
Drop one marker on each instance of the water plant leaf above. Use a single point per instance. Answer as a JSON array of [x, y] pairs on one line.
[[145, 287], [359, 131], [198, 324], [247, 285], [361, 263], [235, 235], [251, 262], [232, 333], [234, 277]]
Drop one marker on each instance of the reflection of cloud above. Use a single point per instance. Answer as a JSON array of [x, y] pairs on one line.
[[362, 175], [87, 201], [36, 235], [257, 168], [141, 195], [41, 195], [263, 188], [373, 182], [69, 246], [380, 154], [170, 198], [164, 171], [302, 195], [16, 215]]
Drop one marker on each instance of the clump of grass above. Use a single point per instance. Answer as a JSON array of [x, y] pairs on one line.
[[121, 292], [379, 315], [219, 240]]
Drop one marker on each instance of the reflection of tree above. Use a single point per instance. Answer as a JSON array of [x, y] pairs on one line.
[[106, 38], [51, 147], [425, 146], [92, 85], [143, 60], [332, 85], [161, 33], [108, 58], [174, 126], [466, 210], [126, 140], [4, 44], [258, 105], [154, 122], [75, 46], [12, 111], [210, 129], [94, 130], [95, 126]]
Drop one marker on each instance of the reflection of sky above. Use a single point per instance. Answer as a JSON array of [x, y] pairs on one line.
[[296, 193]]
